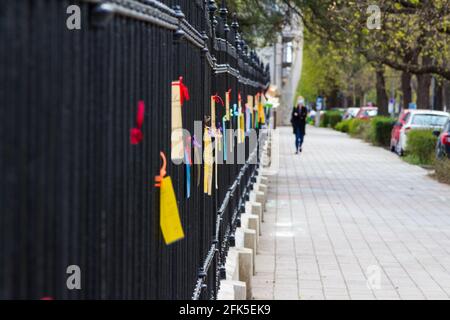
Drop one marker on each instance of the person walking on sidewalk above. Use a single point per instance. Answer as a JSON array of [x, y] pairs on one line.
[[298, 121]]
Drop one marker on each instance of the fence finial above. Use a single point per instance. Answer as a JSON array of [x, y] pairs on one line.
[[179, 34], [102, 14], [223, 14]]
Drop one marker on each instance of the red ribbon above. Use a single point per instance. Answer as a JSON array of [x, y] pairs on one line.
[[218, 99], [184, 92], [136, 135]]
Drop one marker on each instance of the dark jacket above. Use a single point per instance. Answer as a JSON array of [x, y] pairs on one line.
[[298, 118]]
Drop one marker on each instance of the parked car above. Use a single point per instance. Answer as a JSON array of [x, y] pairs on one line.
[[443, 144], [350, 113], [366, 113], [395, 133], [420, 119]]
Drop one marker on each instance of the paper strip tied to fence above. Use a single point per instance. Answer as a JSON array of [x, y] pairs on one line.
[[261, 111], [227, 105], [180, 94], [218, 152], [224, 138], [188, 161], [250, 109], [256, 111], [215, 99], [240, 127], [248, 120], [209, 162], [136, 135], [170, 222], [231, 135]]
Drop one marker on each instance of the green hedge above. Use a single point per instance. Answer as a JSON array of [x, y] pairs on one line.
[[381, 128], [442, 168], [356, 127], [421, 146], [377, 130], [331, 119], [343, 126]]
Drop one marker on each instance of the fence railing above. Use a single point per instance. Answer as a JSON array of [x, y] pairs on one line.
[[74, 191]]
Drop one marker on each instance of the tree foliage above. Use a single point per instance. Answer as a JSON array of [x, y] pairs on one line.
[[326, 71], [320, 72], [260, 21], [413, 37]]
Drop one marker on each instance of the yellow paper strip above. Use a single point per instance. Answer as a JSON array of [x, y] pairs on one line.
[[170, 222], [239, 121], [209, 162], [242, 127], [261, 113]]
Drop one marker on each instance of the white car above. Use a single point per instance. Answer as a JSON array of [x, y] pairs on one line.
[[351, 113], [420, 119]]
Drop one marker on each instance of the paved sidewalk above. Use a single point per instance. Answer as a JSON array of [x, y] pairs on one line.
[[342, 210]]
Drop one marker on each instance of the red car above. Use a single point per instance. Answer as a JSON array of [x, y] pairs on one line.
[[366, 113], [395, 134]]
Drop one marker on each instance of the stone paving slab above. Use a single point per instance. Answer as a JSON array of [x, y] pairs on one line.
[[344, 214]]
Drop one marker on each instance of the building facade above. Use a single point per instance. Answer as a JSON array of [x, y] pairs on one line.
[[285, 59]]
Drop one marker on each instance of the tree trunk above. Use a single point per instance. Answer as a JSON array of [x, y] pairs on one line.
[[358, 101], [438, 102], [423, 87], [352, 102], [382, 97], [423, 91], [349, 102], [406, 89], [333, 99], [447, 95], [359, 96]]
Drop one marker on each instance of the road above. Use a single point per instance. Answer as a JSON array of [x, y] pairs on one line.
[[347, 220]]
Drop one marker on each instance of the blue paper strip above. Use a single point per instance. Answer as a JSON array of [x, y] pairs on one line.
[[224, 135], [188, 174]]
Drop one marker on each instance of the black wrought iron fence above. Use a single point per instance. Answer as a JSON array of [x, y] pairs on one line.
[[74, 191]]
